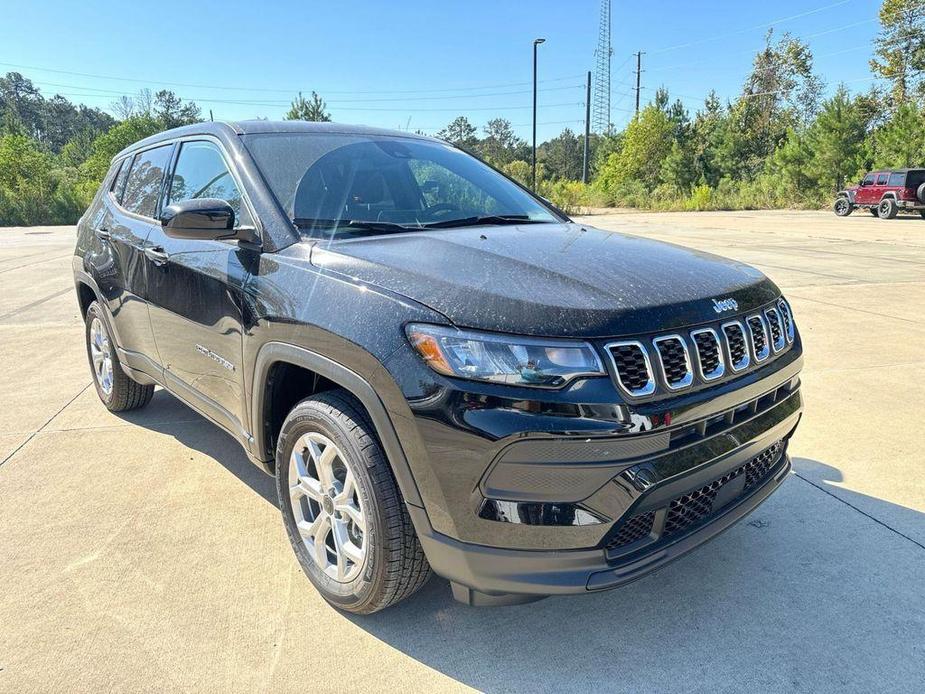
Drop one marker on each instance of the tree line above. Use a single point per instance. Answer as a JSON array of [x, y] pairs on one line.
[[777, 144]]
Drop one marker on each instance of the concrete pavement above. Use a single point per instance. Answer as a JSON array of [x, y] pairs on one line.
[[144, 552]]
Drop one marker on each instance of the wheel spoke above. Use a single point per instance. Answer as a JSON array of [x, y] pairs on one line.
[[299, 462], [321, 548], [354, 514], [309, 529], [346, 494], [324, 464], [309, 487], [339, 532], [352, 552]]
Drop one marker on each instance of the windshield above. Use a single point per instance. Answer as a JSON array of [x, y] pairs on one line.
[[353, 184]]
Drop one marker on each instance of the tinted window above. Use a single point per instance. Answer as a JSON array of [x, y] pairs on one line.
[[201, 173], [118, 183], [869, 179], [897, 179], [915, 178], [336, 177], [144, 181], [882, 179]]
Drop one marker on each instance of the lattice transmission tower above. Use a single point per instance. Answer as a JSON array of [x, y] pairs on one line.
[[600, 118]]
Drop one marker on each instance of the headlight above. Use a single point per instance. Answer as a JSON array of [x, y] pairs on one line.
[[520, 361]]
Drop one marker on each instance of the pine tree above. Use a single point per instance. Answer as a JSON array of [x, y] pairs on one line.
[[900, 49], [313, 109]]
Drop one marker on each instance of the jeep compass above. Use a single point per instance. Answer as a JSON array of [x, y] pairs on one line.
[[443, 372]]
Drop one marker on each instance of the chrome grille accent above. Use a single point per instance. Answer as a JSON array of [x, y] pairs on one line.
[[736, 347], [710, 360], [787, 316], [675, 361], [759, 337], [632, 367], [778, 341]]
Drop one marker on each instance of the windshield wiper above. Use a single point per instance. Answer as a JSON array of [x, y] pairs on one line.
[[364, 224], [485, 219]]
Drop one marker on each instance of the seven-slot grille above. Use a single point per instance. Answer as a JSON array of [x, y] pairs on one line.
[[676, 365], [731, 347], [632, 365], [759, 338]]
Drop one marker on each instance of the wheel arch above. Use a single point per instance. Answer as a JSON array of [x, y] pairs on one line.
[[326, 373]]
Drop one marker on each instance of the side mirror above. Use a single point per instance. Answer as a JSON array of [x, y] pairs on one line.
[[203, 219]]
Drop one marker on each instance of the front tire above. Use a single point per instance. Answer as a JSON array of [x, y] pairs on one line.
[[843, 207], [342, 508], [114, 387], [887, 209]]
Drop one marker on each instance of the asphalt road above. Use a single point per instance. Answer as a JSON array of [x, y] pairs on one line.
[[144, 552]]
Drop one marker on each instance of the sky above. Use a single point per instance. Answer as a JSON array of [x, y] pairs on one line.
[[413, 64]]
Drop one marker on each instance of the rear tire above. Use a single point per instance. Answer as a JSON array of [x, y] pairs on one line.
[[843, 207], [342, 508], [922, 213], [873, 211], [114, 387], [887, 209]]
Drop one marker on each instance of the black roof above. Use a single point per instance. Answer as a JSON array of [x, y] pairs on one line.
[[250, 127]]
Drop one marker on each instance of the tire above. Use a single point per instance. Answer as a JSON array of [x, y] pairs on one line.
[[920, 193], [355, 570], [922, 214], [873, 211], [842, 207], [887, 209], [114, 387]]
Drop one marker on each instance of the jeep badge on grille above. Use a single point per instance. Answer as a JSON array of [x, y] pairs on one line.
[[725, 305]]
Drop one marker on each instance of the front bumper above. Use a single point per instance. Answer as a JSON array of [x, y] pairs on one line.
[[488, 575]]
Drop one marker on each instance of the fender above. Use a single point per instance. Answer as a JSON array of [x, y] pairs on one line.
[[350, 380], [846, 194]]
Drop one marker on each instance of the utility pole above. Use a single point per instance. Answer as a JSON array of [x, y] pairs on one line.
[[584, 164], [536, 43], [638, 73]]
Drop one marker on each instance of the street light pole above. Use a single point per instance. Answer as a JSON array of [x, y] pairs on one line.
[[536, 43]]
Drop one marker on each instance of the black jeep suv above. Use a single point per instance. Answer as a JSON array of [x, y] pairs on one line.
[[442, 370]]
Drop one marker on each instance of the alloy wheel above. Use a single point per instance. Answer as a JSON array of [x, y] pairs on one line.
[[100, 355], [327, 507]]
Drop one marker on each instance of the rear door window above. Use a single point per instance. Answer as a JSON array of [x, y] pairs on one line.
[[897, 180], [143, 186], [118, 183], [882, 179]]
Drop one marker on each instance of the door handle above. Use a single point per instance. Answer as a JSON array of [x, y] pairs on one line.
[[103, 233], [156, 255]]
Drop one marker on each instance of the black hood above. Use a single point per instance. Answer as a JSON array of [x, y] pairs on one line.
[[550, 279]]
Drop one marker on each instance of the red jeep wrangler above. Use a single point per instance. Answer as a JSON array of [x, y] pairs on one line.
[[884, 193]]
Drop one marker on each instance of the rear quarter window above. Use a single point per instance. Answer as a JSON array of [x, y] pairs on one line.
[[143, 186], [897, 179], [915, 178]]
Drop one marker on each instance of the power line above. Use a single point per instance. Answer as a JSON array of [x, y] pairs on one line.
[[765, 25], [293, 90], [116, 92]]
